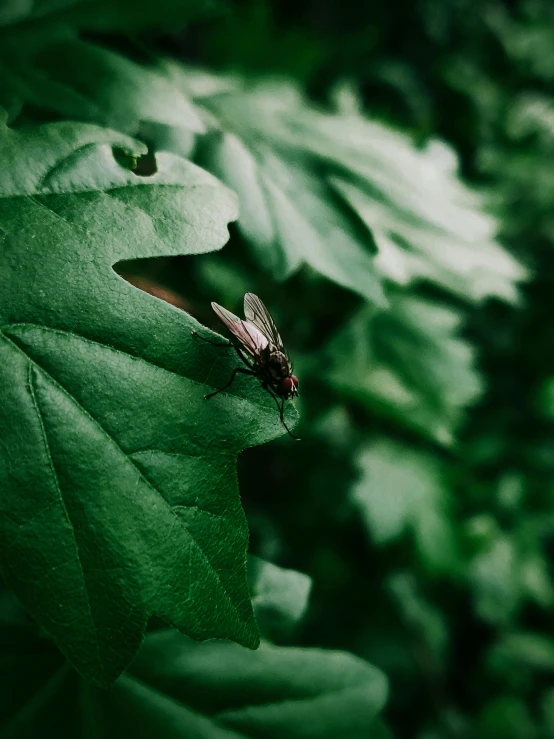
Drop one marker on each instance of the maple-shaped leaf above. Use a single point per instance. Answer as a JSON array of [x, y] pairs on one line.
[[119, 494]]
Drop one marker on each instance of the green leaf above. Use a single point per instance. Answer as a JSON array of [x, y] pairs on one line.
[[96, 85], [288, 213], [289, 218], [506, 717], [119, 495], [545, 398], [548, 711], [279, 596], [520, 650], [421, 617], [293, 165], [455, 250], [407, 363], [177, 688], [494, 575], [399, 490], [510, 568]]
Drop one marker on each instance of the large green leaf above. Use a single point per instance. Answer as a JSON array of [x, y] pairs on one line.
[[289, 214], [56, 71], [407, 363], [180, 689], [293, 165], [457, 252], [119, 496]]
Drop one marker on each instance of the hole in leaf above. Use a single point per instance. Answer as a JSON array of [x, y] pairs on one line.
[[146, 165], [143, 166]]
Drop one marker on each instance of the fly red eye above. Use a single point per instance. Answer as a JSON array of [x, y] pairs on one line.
[[287, 385]]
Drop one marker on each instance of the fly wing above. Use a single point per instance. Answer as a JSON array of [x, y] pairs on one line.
[[258, 315], [252, 340]]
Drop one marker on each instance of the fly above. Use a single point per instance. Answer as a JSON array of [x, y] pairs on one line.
[[261, 349]]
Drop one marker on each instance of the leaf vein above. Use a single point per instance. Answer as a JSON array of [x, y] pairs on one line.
[[55, 480], [59, 164], [177, 520]]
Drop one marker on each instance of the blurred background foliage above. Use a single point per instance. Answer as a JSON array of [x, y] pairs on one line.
[[420, 498], [393, 164]]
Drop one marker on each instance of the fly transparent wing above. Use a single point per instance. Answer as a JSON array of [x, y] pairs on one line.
[[248, 335], [258, 315]]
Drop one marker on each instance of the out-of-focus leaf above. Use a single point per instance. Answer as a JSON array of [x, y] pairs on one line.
[[532, 114], [407, 363], [249, 35], [545, 398], [282, 155], [510, 492], [458, 254], [381, 730], [418, 614], [279, 597], [82, 81], [548, 711], [109, 15], [528, 43], [536, 579], [522, 650], [179, 689], [14, 11], [509, 570], [506, 717], [402, 490], [494, 578], [134, 508], [288, 214]]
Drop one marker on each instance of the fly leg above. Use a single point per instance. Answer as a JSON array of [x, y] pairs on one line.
[[242, 370], [281, 407], [225, 345], [209, 341], [242, 356]]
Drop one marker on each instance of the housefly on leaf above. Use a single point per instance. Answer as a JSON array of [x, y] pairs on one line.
[[260, 347]]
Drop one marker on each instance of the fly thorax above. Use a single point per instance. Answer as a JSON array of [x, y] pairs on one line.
[[278, 365]]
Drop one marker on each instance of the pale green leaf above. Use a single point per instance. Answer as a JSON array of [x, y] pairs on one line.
[[279, 597], [494, 575], [407, 363], [427, 225], [288, 213], [509, 570], [402, 490]]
